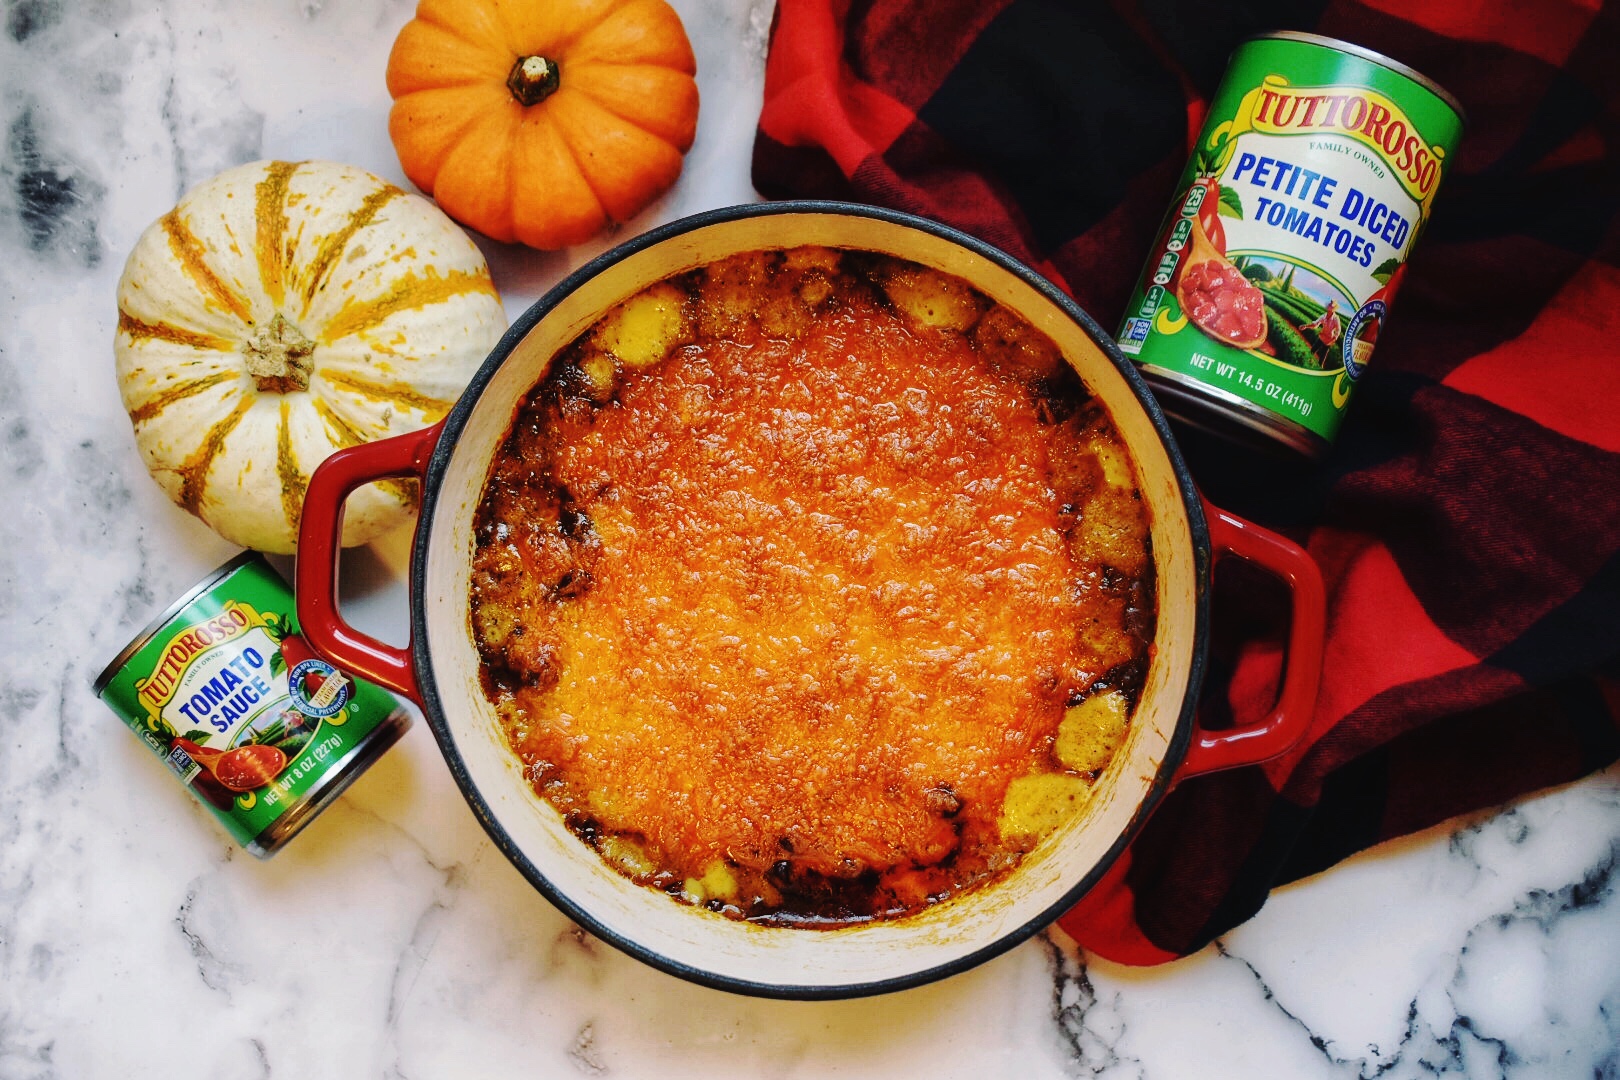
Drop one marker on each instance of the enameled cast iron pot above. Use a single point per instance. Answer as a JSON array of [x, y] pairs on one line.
[[439, 669]]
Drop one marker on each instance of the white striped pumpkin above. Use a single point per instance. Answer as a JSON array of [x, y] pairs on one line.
[[282, 311]]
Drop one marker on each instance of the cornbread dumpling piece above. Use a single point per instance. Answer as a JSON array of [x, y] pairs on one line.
[[1107, 636], [1016, 347], [1076, 473], [785, 315], [496, 570], [1116, 467], [930, 298], [1092, 731], [599, 373], [1037, 803], [812, 257], [815, 288], [1093, 428], [1091, 472], [1091, 459], [731, 290], [504, 592], [765, 893], [717, 883], [642, 330], [812, 272], [628, 855], [1112, 531]]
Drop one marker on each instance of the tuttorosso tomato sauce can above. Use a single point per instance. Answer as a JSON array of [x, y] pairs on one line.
[[264, 733], [1312, 179]]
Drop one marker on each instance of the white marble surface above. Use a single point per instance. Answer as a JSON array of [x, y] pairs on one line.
[[391, 938]]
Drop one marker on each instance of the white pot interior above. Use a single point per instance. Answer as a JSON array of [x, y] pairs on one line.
[[708, 946]]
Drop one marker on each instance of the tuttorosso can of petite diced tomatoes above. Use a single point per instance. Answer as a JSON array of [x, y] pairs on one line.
[[1265, 294], [263, 732]]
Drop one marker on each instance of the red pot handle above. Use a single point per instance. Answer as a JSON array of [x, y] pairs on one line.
[[320, 531], [1230, 535]]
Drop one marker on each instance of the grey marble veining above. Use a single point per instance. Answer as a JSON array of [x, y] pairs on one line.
[[391, 938]]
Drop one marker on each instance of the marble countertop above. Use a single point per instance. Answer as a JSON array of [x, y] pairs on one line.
[[391, 938]]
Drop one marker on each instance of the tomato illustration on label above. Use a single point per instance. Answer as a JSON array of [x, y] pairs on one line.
[[1219, 201], [1210, 288], [1222, 303], [242, 769]]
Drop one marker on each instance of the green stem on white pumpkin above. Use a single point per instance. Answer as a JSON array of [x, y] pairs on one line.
[[279, 356], [533, 79]]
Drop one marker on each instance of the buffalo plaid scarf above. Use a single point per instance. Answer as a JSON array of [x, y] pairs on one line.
[[1468, 521]]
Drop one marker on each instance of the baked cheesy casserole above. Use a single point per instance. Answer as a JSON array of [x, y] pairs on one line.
[[811, 586]]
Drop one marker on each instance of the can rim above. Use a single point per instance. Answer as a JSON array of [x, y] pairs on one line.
[[1375, 57], [336, 780], [1230, 412], [141, 640]]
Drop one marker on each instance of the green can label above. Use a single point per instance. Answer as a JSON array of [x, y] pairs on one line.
[[263, 732], [1311, 181]]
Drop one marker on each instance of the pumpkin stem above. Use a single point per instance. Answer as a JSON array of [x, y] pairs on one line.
[[533, 79], [278, 356]]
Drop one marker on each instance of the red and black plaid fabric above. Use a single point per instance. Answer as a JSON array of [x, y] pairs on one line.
[[1468, 522]]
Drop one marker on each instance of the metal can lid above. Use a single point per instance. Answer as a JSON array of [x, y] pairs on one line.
[[110, 672], [1375, 57]]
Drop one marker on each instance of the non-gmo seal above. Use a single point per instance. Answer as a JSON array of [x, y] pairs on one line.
[[318, 688], [1360, 337]]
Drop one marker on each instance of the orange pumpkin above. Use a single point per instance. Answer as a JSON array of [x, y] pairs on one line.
[[542, 120]]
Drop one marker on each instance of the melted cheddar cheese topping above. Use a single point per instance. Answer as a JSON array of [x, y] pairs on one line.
[[811, 587]]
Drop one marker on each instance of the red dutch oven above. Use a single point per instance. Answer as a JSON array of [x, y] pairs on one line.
[[439, 669]]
